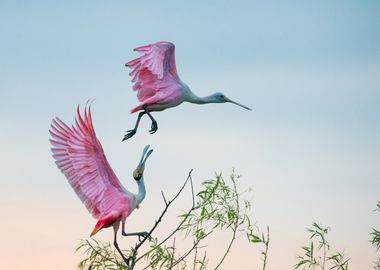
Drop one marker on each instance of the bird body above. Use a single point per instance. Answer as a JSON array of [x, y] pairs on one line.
[[175, 95], [80, 156], [158, 86]]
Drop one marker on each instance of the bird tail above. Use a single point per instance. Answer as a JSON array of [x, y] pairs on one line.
[[99, 225], [104, 222], [96, 229], [136, 109]]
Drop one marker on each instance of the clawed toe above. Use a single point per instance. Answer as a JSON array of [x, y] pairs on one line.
[[129, 134], [154, 128], [145, 235]]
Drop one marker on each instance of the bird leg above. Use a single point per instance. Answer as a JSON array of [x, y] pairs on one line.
[[139, 234], [154, 125], [126, 260], [132, 132]]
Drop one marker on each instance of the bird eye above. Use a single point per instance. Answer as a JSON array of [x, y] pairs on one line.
[[137, 175], [221, 96]]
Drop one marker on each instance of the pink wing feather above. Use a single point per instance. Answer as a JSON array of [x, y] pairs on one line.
[[80, 157], [154, 74]]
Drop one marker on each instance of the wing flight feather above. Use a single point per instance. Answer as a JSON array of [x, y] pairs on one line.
[[154, 71], [80, 156]]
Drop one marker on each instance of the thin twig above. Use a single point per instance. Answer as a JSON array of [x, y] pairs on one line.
[[101, 255], [187, 253], [191, 249], [195, 257], [183, 220], [236, 224], [163, 196], [266, 243], [133, 258], [172, 258], [192, 189]]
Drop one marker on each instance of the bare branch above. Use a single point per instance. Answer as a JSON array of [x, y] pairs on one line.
[[266, 243], [183, 220], [163, 196], [167, 204]]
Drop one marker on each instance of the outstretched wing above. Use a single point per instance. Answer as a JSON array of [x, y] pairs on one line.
[[155, 71], [80, 157]]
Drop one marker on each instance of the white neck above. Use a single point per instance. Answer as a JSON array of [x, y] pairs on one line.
[[193, 98], [141, 192]]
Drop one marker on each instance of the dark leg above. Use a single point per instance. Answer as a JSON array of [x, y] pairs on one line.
[[132, 132], [139, 234], [118, 249], [154, 125]]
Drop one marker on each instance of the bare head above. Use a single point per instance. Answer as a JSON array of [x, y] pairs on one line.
[[139, 171], [221, 98]]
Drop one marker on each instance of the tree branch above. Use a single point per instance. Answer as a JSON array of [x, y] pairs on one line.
[[236, 224], [183, 220], [100, 254], [191, 249], [132, 257], [266, 243]]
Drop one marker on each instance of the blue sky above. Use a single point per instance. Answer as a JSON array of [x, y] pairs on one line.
[[309, 149]]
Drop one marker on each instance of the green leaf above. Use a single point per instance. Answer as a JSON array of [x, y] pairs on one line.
[[253, 238]]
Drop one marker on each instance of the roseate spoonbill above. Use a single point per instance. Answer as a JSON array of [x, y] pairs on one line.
[[80, 156], [158, 85]]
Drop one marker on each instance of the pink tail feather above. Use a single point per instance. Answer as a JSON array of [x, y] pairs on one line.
[[136, 109], [104, 222]]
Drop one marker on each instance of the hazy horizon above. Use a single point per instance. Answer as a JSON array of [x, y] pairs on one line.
[[310, 149]]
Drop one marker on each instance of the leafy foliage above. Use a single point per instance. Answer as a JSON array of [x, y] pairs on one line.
[[99, 256], [162, 255], [377, 264], [217, 207], [316, 256], [375, 240], [338, 261]]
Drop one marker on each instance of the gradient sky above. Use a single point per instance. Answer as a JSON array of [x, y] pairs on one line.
[[310, 149]]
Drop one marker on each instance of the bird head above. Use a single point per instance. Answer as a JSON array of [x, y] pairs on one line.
[[138, 172], [221, 98]]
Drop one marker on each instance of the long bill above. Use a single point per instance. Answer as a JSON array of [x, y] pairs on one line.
[[241, 105], [144, 156]]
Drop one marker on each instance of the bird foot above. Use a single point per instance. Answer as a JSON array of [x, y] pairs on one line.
[[129, 134], [153, 127], [144, 235]]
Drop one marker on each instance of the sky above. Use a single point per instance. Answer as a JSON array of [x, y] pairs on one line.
[[310, 149]]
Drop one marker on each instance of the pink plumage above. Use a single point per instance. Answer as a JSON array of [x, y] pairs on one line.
[[80, 156], [155, 78]]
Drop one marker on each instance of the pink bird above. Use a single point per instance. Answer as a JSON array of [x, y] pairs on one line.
[[158, 85], [80, 156]]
